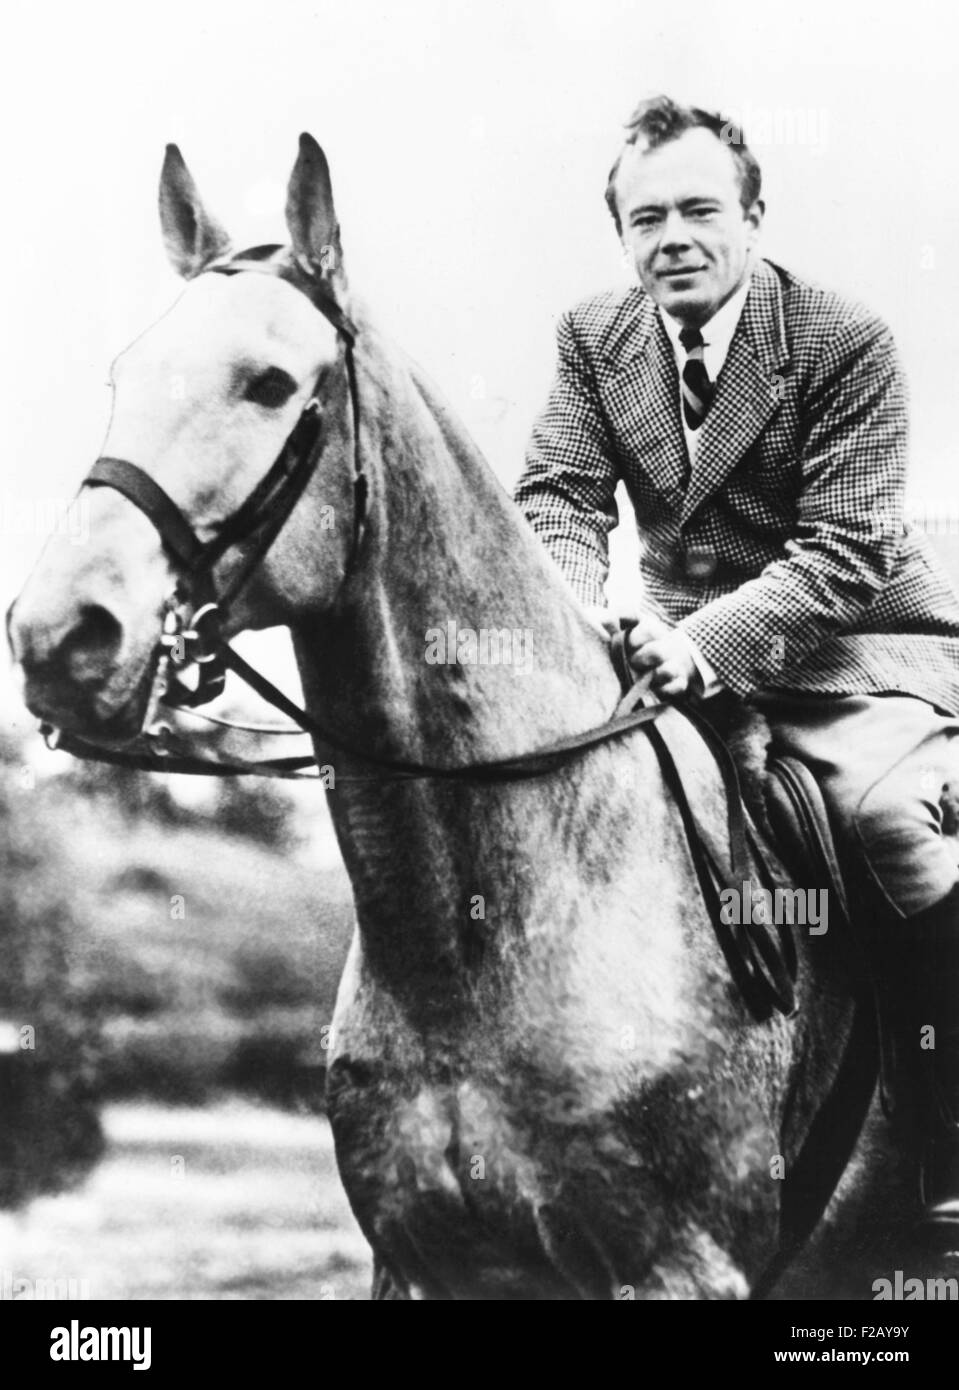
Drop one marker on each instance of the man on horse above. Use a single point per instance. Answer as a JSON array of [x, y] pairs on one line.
[[759, 425]]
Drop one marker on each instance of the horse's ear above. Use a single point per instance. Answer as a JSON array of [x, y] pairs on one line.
[[310, 214], [192, 237]]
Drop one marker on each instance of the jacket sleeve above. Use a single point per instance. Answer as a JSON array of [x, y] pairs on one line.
[[848, 522], [567, 489]]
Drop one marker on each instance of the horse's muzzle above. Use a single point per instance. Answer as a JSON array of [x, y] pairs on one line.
[[74, 674]]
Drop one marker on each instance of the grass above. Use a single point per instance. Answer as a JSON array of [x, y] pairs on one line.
[[167, 964], [233, 1201]]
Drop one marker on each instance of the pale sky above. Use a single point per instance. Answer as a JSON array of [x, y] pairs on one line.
[[469, 144]]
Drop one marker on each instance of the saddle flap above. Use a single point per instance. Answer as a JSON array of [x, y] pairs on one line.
[[799, 820]]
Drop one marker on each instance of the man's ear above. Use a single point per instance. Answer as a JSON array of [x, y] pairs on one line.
[[192, 237], [311, 216]]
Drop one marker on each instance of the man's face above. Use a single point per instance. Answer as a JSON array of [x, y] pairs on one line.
[[683, 223]]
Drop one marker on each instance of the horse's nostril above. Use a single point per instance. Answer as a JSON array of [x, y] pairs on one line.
[[91, 646]]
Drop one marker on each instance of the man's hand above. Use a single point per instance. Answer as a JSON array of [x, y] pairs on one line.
[[653, 645]]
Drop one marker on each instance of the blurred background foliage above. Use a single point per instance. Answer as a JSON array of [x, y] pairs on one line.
[[161, 946]]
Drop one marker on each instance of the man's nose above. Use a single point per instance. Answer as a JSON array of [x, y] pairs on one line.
[[675, 234]]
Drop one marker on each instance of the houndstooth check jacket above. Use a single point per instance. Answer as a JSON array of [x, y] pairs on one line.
[[783, 555]]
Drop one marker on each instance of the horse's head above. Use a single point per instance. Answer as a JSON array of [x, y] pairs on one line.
[[244, 375]]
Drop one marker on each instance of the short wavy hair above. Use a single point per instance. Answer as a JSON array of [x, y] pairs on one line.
[[658, 120]]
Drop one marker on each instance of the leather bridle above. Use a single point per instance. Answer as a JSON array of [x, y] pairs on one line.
[[195, 639], [196, 612]]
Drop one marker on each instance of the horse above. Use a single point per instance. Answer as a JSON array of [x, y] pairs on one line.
[[542, 1082]]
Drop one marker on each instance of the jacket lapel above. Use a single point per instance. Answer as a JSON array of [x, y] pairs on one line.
[[643, 395], [748, 391]]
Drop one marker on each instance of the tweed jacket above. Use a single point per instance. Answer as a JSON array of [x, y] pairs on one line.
[[783, 553]]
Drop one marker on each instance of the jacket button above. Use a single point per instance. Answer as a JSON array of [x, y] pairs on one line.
[[700, 562]]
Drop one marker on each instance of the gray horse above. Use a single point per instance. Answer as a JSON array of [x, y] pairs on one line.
[[543, 1084]]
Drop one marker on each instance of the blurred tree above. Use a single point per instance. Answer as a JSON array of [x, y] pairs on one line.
[[50, 1130], [258, 809], [140, 794]]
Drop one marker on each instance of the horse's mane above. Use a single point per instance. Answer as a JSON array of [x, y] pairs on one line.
[[455, 434]]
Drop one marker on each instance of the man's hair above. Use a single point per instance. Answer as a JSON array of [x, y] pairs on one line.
[[658, 120]]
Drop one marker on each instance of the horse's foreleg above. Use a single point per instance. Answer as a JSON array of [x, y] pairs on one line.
[[385, 1286], [694, 1267]]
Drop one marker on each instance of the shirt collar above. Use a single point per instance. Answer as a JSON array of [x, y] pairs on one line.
[[718, 331]]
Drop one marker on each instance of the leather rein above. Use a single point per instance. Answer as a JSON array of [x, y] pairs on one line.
[[192, 638]]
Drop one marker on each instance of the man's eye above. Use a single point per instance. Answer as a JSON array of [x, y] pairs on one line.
[[644, 223], [271, 388], [702, 212]]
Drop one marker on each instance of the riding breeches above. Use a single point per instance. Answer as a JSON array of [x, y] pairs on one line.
[[885, 764]]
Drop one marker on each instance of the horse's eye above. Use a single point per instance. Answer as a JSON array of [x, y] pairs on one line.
[[271, 388]]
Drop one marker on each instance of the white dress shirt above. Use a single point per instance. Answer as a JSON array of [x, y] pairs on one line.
[[717, 335]]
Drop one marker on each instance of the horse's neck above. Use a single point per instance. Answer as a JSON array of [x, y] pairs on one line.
[[445, 545], [455, 640]]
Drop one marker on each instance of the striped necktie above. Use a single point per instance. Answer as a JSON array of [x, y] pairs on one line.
[[698, 390]]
